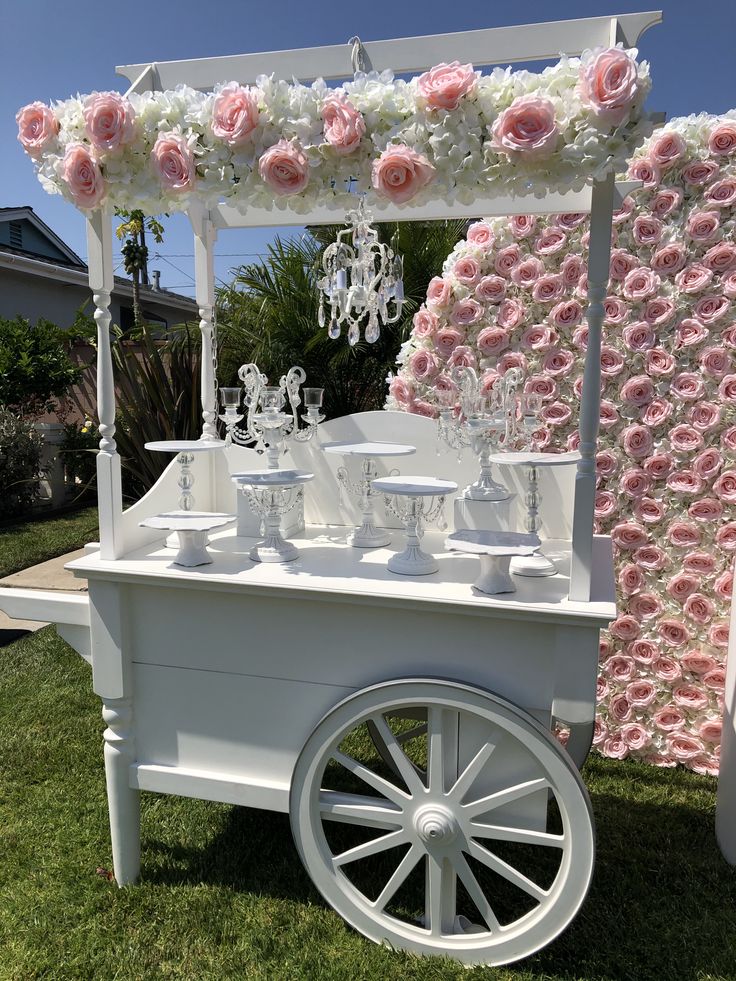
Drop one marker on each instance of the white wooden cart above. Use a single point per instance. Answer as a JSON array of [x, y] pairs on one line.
[[404, 724]]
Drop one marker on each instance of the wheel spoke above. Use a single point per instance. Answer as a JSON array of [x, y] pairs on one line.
[[506, 796], [402, 762], [385, 753], [465, 781], [354, 809], [385, 787], [435, 750], [521, 836], [440, 905], [474, 890], [508, 872], [404, 737], [368, 848], [399, 877]]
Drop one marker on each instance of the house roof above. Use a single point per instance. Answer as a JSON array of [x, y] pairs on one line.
[[25, 212]]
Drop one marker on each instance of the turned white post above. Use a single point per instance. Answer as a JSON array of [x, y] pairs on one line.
[[109, 487], [204, 274], [599, 259]]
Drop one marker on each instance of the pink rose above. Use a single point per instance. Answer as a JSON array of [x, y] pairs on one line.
[[462, 357], [285, 168], [682, 534], [699, 608], [640, 284], [726, 537], [657, 412], [439, 293], [551, 241], [720, 258], [645, 606], [638, 337], [619, 708], [659, 362], [466, 271], [683, 747], [629, 535], [651, 557], [687, 386], [512, 359], [694, 278], [620, 667], [580, 337], [541, 385], [630, 578], [723, 586], [725, 486], [727, 389], [697, 662], [705, 416], [722, 140], [480, 233], [572, 269], [422, 408], [646, 171], [666, 669], [718, 635], [641, 694], [609, 85], [571, 220], [423, 365], [689, 333], [526, 129], [708, 463], [609, 416], [491, 341], [706, 509], [510, 314], [634, 482], [722, 193], [669, 259], [711, 730], [637, 441], [605, 505], [685, 439], [685, 482], [715, 679], [673, 632], [615, 747], [539, 337], [491, 289], [235, 114], [600, 729], [638, 390], [400, 173], [702, 226], [666, 201], [689, 697], [488, 382], [522, 226], [506, 259], [669, 719], [728, 437], [401, 391], [699, 563], [635, 736], [699, 172], [622, 263], [526, 272], [87, 186], [109, 120], [649, 510], [643, 651], [658, 311], [567, 313], [447, 339], [728, 334], [606, 463], [445, 389], [658, 465], [558, 362], [466, 312], [681, 586], [667, 148], [616, 310], [621, 214], [556, 414], [425, 323], [710, 308], [443, 86], [715, 361], [344, 126], [647, 230], [37, 128]]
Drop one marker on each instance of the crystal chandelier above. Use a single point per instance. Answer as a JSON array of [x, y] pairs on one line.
[[362, 285]]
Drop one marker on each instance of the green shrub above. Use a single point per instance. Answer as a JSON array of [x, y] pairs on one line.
[[20, 464], [79, 453], [35, 367]]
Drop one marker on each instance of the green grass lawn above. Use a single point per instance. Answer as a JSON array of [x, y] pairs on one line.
[[33, 540], [223, 894]]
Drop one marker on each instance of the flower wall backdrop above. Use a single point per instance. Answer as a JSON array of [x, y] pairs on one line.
[[514, 294], [451, 132]]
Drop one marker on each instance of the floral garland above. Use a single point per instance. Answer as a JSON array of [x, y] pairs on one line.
[[451, 132], [514, 294]]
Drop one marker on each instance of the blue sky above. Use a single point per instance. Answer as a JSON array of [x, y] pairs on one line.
[[54, 48]]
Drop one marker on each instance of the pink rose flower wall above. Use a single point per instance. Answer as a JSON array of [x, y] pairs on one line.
[[514, 294]]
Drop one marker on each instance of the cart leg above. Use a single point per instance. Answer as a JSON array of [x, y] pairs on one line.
[[122, 800]]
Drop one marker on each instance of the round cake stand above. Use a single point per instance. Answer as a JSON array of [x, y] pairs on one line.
[[192, 528], [534, 565], [185, 450], [272, 494], [495, 549], [367, 535], [415, 501]]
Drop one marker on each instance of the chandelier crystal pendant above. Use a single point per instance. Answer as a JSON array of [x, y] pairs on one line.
[[363, 282]]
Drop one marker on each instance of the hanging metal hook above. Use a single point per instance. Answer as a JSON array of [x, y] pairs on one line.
[[359, 56]]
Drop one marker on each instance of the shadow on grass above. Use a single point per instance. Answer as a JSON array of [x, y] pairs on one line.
[[662, 903]]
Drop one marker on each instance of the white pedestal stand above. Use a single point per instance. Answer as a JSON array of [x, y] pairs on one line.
[[367, 535], [405, 497], [495, 549], [533, 565], [192, 528], [272, 494], [185, 450]]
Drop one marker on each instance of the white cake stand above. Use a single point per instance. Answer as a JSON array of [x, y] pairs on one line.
[[272, 494], [192, 528], [495, 549], [406, 498], [367, 535], [534, 565], [185, 450]]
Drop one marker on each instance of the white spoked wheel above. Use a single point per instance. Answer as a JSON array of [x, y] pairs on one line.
[[476, 841]]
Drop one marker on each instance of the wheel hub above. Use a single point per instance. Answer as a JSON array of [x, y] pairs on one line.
[[435, 824]]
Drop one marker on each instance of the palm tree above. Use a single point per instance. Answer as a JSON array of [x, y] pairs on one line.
[[269, 314]]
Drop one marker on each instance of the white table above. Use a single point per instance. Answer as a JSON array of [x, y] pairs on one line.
[[495, 549], [272, 494], [533, 565], [192, 528], [366, 535], [414, 513], [184, 450]]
